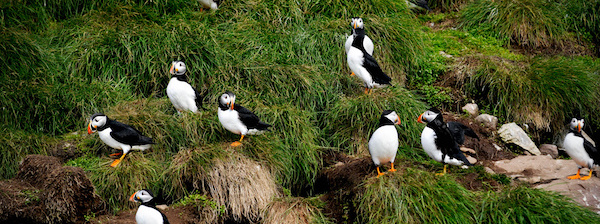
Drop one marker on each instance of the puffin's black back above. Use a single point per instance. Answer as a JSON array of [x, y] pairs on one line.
[[445, 140]]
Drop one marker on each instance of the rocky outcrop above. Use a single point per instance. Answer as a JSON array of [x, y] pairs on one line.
[[551, 174], [512, 133], [549, 149]]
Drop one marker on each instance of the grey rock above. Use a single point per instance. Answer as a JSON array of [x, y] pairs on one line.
[[549, 149], [472, 109], [512, 133], [488, 121]]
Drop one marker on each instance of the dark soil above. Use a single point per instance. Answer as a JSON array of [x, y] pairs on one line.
[[44, 191], [175, 215]]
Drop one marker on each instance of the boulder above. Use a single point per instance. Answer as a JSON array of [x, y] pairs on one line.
[[472, 109], [549, 149], [512, 133], [551, 174], [488, 121]]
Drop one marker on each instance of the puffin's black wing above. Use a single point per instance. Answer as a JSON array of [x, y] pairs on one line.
[[250, 119], [446, 142], [199, 98], [459, 131], [126, 134], [165, 220], [592, 151], [373, 68]]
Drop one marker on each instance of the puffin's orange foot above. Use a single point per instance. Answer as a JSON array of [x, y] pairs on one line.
[[380, 174], [115, 163], [574, 177], [440, 174], [392, 170], [352, 74], [585, 177], [116, 154], [236, 144]]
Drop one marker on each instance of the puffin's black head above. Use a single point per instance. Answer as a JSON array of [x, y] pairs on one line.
[[227, 100], [357, 23], [97, 120], [178, 68], [142, 196], [576, 124], [389, 117], [430, 115]]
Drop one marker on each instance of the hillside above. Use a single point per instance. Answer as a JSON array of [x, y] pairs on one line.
[[65, 60]]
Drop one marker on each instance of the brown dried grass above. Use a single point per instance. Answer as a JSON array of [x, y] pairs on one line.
[[290, 211], [243, 186]]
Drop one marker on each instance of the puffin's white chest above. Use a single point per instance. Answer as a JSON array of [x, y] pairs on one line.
[[574, 147], [355, 62], [109, 140], [230, 120], [182, 95], [383, 144], [148, 215]]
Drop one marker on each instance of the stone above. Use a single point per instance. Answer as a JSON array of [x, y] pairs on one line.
[[551, 174], [549, 149], [471, 160], [162, 207], [497, 147], [512, 133], [472, 109], [488, 121], [469, 150], [489, 170]]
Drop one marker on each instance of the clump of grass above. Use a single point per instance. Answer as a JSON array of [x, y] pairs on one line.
[[448, 5], [115, 185], [351, 120], [17, 144], [584, 16], [541, 95], [530, 24], [243, 186], [293, 210], [526, 205], [414, 197]]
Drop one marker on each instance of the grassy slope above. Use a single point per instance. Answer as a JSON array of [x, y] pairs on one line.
[[284, 60]]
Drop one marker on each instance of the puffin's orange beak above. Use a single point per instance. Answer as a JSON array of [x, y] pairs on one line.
[[131, 198], [398, 123], [90, 128], [420, 120], [354, 25], [171, 70], [232, 105], [578, 127]]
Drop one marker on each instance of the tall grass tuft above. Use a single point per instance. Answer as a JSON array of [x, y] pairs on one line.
[[583, 15], [448, 5], [545, 95], [414, 197], [17, 144], [529, 24]]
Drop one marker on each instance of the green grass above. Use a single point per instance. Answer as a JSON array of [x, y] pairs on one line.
[[66, 60], [542, 94], [530, 24]]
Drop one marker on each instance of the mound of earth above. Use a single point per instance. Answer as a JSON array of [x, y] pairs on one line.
[[44, 191]]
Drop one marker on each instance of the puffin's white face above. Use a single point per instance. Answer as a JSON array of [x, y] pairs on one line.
[[576, 125], [427, 117], [393, 117], [227, 99], [97, 120], [357, 23], [178, 68], [141, 196]]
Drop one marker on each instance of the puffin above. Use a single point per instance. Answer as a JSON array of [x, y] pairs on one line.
[[209, 4], [147, 212], [182, 95], [383, 144], [418, 5], [358, 28], [118, 136], [580, 149], [441, 140], [365, 66], [237, 119]]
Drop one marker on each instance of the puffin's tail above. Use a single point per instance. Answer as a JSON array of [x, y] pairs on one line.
[[263, 126], [460, 156], [469, 132]]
